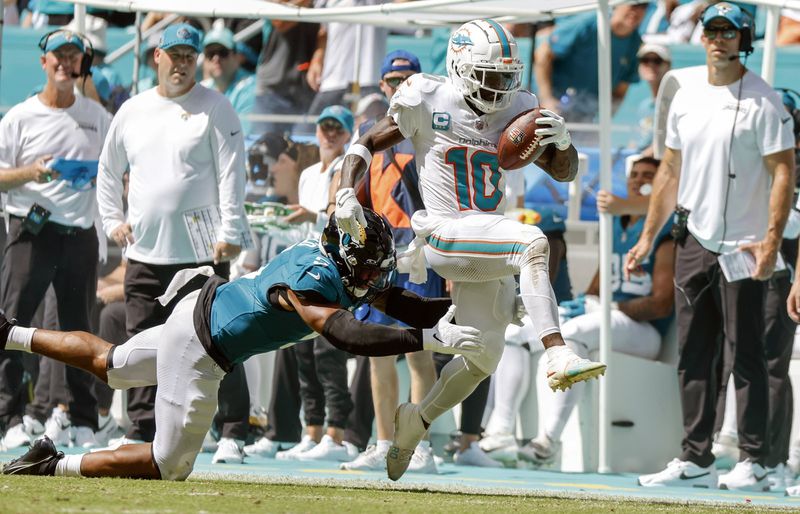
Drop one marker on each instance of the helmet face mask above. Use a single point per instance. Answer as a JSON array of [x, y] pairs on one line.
[[367, 269], [483, 64]]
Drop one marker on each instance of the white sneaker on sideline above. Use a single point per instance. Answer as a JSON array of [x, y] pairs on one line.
[[793, 491], [780, 478], [371, 459], [500, 447], [746, 475], [82, 437], [32, 426], [422, 461], [57, 427], [681, 473], [540, 450], [16, 436], [328, 449], [726, 451], [474, 456], [565, 368], [113, 444], [107, 428], [408, 432], [229, 451], [265, 447], [303, 446]]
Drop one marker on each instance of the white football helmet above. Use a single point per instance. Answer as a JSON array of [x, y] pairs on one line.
[[483, 64]]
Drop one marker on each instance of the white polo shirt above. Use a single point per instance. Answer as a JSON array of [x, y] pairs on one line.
[[31, 130], [700, 124]]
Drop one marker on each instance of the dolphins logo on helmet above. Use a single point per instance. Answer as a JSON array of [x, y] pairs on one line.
[[367, 268], [483, 64]]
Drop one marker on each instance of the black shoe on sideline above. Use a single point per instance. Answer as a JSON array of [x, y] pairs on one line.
[[41, 459], [5, 328]]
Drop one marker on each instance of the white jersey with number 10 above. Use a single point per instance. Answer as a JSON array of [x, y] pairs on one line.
[[456, 148]]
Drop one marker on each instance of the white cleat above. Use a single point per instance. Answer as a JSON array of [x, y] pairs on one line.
[[408, 432], [229, 451], [57, 427], [565, 368], [83, 437], [540, 450], [264, 447], [371, 459], [328, 449], [745, 476], [681, 473], [422, 461], [474, 456], [292, 454], [500, 447], [16, 436]]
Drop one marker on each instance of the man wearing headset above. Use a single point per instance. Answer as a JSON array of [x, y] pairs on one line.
[[729, 166], [51, 235]]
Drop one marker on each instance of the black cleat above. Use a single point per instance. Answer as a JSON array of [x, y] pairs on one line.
[[41, 459], [5, 328]]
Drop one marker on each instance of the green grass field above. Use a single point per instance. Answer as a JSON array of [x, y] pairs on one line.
[[51, 495]]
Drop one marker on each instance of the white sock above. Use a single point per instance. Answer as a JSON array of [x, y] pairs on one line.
[[556, 352], [19, 338], [69, 466], [383, 445], [424, 445]]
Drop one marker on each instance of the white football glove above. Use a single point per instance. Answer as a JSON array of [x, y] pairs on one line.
[[349, 213], [555, 132], [452, 339]]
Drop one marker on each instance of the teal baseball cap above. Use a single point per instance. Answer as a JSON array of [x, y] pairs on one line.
[[221, 36], [338, 113], [731, 13], [56, 40], [180, 34]]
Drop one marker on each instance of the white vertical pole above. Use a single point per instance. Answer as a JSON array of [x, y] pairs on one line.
[[604, 92], [80, 18], [770, 37], [137, 52]]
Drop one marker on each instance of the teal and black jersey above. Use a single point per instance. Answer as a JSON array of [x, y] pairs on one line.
[[245, 323], [638, 285]]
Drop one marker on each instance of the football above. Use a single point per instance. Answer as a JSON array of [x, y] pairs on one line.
[[518, 144]]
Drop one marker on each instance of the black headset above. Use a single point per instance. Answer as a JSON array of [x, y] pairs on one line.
[[88, 49], [748, 29]]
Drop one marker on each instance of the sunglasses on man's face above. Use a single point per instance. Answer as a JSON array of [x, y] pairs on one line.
[[331, 126], [728, 33], [222, 53], [657, 61]]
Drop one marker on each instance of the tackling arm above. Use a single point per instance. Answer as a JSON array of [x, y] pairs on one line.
[[346, 333]]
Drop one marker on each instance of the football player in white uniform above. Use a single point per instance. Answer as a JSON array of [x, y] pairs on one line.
[[454, 124]]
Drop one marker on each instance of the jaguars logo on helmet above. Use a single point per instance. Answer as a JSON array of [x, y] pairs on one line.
[[483, 64], [367, 268]]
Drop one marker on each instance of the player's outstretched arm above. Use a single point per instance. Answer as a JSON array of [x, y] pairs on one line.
[[381, 136], [340, 327], [412, 309]]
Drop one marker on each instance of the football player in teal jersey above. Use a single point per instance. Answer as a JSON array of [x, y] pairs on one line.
[[311, 288]]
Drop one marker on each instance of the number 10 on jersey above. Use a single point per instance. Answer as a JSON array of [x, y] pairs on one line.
[[474, 190]]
